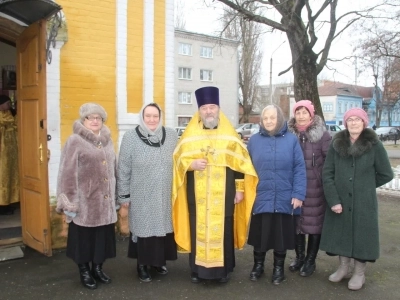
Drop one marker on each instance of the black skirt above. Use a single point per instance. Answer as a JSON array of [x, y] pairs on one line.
[[272, 231], [153, 251], [91, 244]]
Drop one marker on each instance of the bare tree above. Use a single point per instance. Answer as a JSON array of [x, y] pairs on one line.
[[301, 33], [180, 20], [379, 48], [250, 56]]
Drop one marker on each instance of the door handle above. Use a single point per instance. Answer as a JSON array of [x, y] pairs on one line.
[[41, 153]]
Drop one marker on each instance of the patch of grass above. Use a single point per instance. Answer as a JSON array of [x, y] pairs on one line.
[[392, 146]]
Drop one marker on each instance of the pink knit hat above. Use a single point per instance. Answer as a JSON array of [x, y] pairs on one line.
[[356, 112], [307, 104]]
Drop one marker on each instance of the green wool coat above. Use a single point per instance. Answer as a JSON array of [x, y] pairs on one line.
[[351, 174]]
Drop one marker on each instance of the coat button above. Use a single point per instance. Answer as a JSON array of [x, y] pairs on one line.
[[105, 179], [104, 162], [350, 194], [349, 208], [106, 197], [350, 179]]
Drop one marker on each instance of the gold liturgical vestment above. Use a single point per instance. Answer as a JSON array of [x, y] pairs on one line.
[[9, 176], [223, 149]]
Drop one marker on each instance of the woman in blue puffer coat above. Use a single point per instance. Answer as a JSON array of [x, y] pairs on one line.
[[278, 159]]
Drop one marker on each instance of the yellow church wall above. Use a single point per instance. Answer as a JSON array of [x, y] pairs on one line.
[[135, 55], [88, 61]]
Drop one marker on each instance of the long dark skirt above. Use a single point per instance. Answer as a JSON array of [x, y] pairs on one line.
[[153, 251], [272, 231], [91, 244]]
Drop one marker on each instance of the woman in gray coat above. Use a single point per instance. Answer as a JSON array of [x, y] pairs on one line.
[[314, 141], [86, 194], [356, 164], [144, 182]]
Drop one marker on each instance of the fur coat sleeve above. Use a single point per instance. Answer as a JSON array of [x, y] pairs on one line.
[[67, 183]]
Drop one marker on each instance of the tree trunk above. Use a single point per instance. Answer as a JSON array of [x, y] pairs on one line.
[[305, 74]]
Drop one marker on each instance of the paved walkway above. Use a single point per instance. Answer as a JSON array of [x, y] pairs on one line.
[[38, 277]]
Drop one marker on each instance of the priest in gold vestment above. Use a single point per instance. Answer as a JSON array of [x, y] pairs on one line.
[[9, 176], [213, 191]]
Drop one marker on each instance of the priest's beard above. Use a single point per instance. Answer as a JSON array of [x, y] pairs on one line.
[[210, 121]]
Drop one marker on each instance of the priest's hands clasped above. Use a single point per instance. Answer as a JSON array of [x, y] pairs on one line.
[[199, 164]]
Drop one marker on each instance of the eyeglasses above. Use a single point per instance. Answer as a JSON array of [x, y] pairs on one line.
[[354, 120], [91, 118]]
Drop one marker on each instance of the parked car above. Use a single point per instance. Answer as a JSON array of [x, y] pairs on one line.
[[254, 129], [179, 131], [387, 133], [332, 129], [244, 129]]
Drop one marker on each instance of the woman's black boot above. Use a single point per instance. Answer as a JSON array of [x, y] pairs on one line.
[[98, 274], [278, 274], [86, 278], [143, 273], [312, 250], [300, 248], [258, 268]]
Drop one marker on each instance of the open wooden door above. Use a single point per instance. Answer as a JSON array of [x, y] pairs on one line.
[[32, 137]]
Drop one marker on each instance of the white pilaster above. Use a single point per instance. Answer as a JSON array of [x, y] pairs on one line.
[[54, 117], [169, 64]]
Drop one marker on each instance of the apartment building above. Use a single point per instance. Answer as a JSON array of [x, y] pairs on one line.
[[202, 60]]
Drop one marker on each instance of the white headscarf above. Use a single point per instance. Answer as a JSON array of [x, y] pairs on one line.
[[152, 136]]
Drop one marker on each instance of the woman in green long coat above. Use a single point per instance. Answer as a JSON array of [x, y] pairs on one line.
[[356, 164]]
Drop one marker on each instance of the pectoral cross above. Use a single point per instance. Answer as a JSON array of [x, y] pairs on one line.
[[207, 151]]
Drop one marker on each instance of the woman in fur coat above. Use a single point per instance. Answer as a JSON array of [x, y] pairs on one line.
[[314, 141], [86, 194], [356, 164], [144, 181]]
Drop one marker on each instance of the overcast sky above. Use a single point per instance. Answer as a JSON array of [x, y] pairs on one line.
[[203, 18]]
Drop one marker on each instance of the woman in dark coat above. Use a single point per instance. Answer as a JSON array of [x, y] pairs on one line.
[[86, 194], [356, 164], [281, 190], [314, 141]]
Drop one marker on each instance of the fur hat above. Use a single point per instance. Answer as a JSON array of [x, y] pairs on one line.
[[92, 108], [207, 95], [307, 104], [356, 112]]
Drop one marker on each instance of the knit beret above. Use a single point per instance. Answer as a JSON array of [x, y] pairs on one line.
[[304, 103], [356, 112]]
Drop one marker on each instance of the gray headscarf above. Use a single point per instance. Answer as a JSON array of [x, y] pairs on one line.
[[152, 136], [279, 123]]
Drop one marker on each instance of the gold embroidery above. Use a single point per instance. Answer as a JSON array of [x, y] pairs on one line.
[[210, 210], [239, 183]]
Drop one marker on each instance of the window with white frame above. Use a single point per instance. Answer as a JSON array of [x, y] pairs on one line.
[[185, 73], [185, 49], [327, 107], [183, 120], [206, 52], [340, 107], [206, 75], [184, 98]]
